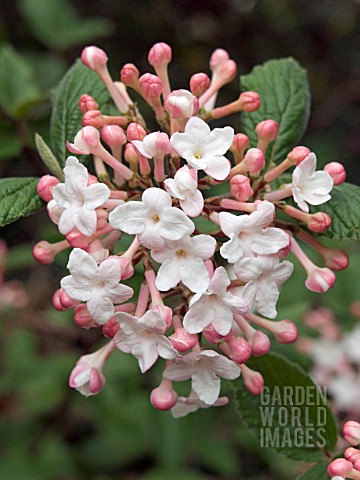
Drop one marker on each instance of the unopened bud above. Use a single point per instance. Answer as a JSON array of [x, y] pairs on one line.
[[250, 101], [351, 432], [135, 132], [218, 58], [339, 466], [113, 135], [253, 381], [87, 103], [336, 171], [182, 340], [240, 188], [151, 86], [129, 75], [94, 58], [159, 54], [255, 160], [111, 328], [83, 318], [298, 154], [45, 186], [199, 83], [319, 222], [181, 104], [240, 350], [260, 344], [164, 397], [320, 280]]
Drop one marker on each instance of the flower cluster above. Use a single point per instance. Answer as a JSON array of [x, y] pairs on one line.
[[212, 263], [349, 465]]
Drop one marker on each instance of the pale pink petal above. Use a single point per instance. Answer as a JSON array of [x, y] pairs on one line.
[[219, 281], [269, 241], [82, 266], [207, 385], [219, 141], [194, 275], [232, 250], [173, 189], [167, 276], [95, 195], [119, 293], [229, 223], [217, 167], [175, 224], [178, 372], [226, 368], [182, 142], [193, 203], [129, 217], [153, 322], [202, 246], [75, 290], [155, 200], [266, 299], [101, 309]]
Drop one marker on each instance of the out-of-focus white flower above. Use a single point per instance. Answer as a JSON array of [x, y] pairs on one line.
[[192, 403]]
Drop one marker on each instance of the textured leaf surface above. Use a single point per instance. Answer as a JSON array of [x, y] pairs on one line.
[[285, 97], [344, 211], [316, 472], [290, 395], [66, 116], [18, 198], [48, 157]]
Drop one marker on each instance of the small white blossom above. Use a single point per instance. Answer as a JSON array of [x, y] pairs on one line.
[[153, 220], [204, 149], [309, 185], [192, 403], [143, 337], [250, 235], [98, 286], [78, 200], [184, 187]]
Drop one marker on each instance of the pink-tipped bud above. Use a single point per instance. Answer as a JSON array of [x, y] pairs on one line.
[[151, 86], [250, 101], [45, 186], [319, 222], [87, 103], [213, 337], [240, 188], [298, 154], [284, 252], [160, 54], [218, 58], [113, 135], [336, 171], [336, 259], [320, 280], [339, 466], [135, 132], [253, 381], [131, 156], [44, 252], [182, 340], [255, 160], [83, 318], [56, 301], [181, 104], [66, 301], [285, 331], [164, 397], [111, 328], [267, 130], [240, 350], [94, 58], [260, 344], [85, 141], [351, 432], [240, 143], [129, 75], [199, 83], [93, 118], [351, 454]]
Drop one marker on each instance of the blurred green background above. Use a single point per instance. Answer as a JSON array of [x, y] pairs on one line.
[[49, 432]]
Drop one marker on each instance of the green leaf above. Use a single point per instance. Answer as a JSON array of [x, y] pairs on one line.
[[18, 198], [10, 145], [290, 416], [66, 116], [48, 157], [56, 24], [316, 472], [285, 97], [344, 211], [18, 89]]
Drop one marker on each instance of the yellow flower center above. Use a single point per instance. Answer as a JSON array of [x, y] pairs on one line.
[[181, 252], [156, 218]]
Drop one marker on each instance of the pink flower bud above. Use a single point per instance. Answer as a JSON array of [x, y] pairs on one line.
[[129, 75], [131, 155], [319, 222], [351, 432], [227, 72], [320, 280], [135, 132], [44, 253], [111, 328], [336, 171], [181, 104], [199, 83], [151, 86], [351, 454], [240, 188], [164, 397], [66, 301], [45, 186], [113, 135], [240, 350], [77, 240], [213, 337], [253, 381], [159, 54], [93, 118], [298, 154], [255, 160], [94, 58], [85, 141], [336, 259], [218, 58], [260, 344], [267, 130], [250, 101], [182, 340], [83, 318], [339, 466], [56, 302], [285, 331], [87, 103]]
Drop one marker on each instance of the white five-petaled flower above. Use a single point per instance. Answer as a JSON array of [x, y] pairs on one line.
[[184, 187], [205, 370], [78, 199], [183, 261], [192, 403], [98, 286], [309, 185], [215, 306], [250, 235], [263, 275], [204, 149], [156, 143], [144, 338], [153, 220]]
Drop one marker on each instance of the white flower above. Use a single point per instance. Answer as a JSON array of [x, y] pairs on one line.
[[184, 187], [263, 275], [310, 186], [215, 306], [205, 370], [78, 200], [156, 143], [98, 286], [181, 104], [345, 389], [143, 337], [183, 261], [192, 403], [153, 220], [248, 234], [351, 344], [204, 149]]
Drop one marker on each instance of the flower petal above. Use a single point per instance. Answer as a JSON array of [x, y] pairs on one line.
[[129, 217]]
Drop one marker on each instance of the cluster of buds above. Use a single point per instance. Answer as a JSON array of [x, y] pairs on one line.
[[336, 358], [203, 295], [349, 465]]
